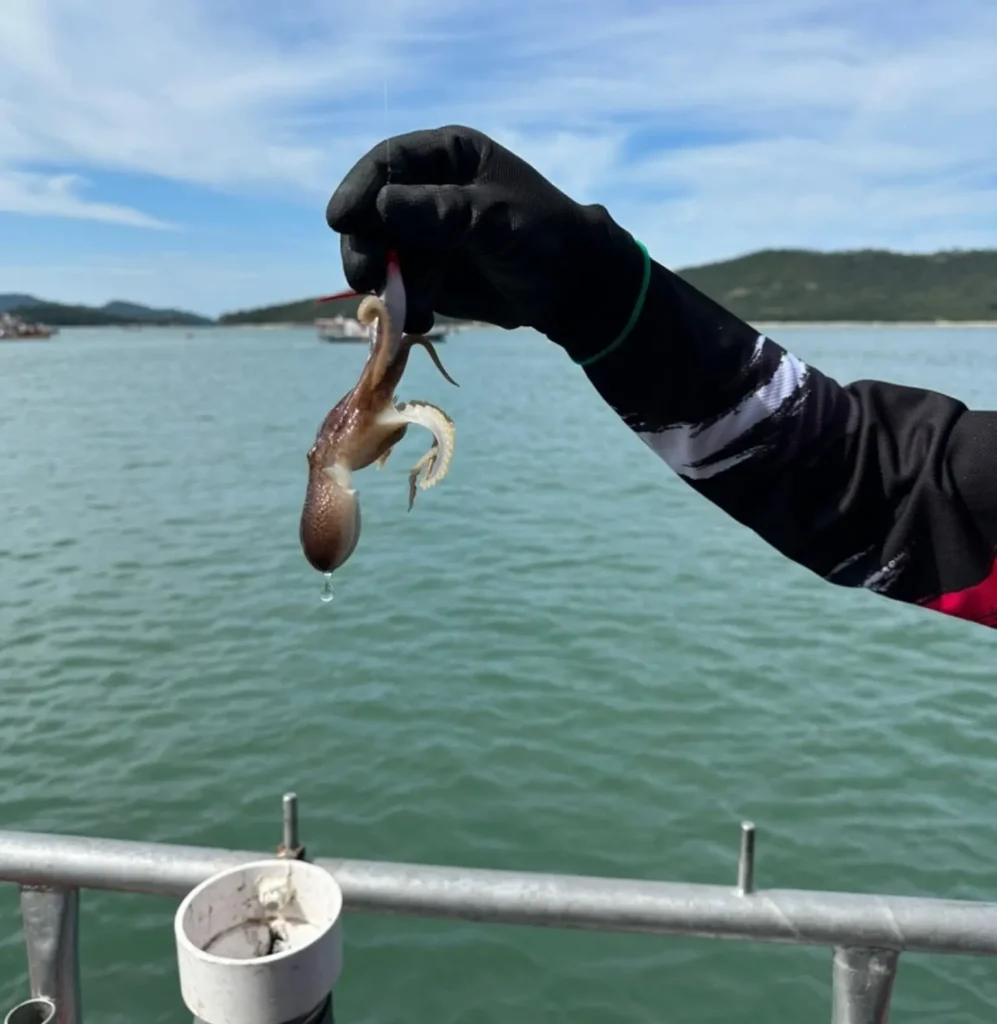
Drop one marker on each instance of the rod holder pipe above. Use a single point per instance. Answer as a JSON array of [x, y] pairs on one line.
[[322, 1014], [51, 937], [260, 944], [33, 1011]]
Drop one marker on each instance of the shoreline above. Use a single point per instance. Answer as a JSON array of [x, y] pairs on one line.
[[458, 329], [982, 324]]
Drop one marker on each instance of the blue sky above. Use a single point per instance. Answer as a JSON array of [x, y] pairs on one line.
[[181, 152]]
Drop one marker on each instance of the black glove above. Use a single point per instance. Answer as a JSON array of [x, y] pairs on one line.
[[481, 235]]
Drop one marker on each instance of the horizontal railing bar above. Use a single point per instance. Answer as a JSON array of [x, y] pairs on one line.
[[528, 898]]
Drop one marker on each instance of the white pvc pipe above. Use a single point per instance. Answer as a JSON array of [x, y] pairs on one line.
[[260, 943]]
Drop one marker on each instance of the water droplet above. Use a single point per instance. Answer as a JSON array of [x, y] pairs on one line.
[[327, 594]]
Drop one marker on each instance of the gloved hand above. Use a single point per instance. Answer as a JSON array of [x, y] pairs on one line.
[[481, 235]]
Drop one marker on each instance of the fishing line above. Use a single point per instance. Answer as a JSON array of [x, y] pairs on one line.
[[387, 132]]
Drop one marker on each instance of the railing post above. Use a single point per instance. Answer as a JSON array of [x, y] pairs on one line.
[[290, 845], [746, 859], [51, 936], [862, 985]]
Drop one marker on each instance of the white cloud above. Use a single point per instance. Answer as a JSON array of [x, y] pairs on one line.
[[791, 192], [202, 92], [579, 163], [708, 126], [57, 195]]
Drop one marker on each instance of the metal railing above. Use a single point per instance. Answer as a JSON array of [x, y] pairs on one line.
[[867, 933]]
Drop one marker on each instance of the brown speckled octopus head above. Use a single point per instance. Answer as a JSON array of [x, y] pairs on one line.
[[330, 518]]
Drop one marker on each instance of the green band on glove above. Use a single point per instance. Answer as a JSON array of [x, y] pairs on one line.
[[638, 306]]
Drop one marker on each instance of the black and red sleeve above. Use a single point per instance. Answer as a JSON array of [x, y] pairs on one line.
[[869, 484]]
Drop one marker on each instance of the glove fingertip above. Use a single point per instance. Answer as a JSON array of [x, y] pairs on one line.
[[364, 263], [336, 212], [419, 317]]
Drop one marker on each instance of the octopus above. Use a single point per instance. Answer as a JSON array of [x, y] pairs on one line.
[[363, 428]]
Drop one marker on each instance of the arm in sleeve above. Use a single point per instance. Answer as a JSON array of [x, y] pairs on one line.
[[870, 485]]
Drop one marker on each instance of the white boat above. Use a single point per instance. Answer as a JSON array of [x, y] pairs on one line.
[[341, 328], [13, 328], [345, 328]]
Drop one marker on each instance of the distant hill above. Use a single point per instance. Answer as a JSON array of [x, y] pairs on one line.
[[146, 314], [118, 313], [16, 301], [774, 284], [867, 284], [796, 284], [305, 311]]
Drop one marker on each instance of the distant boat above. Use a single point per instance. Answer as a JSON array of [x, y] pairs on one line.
[[13, 328], [346, 329], [341, 328]]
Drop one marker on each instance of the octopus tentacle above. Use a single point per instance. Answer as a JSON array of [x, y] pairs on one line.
[[429, 459], [418, 339], [441, 427], [370, 310]]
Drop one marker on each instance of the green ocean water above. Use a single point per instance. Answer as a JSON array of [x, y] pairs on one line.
[[561, 660]]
